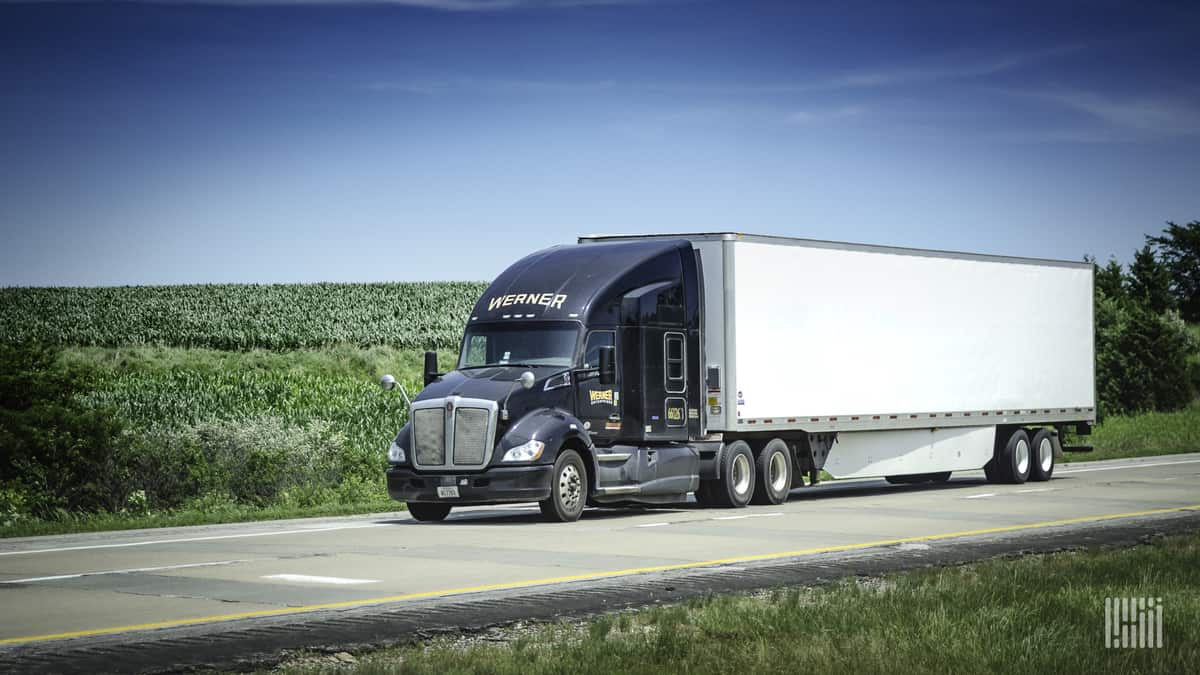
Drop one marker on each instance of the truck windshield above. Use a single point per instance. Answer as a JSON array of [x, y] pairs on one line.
[[542, 345]]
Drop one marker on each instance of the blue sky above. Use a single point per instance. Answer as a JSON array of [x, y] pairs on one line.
[[276, 141]]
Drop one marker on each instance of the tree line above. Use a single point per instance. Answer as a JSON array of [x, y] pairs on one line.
[[1146, 356]]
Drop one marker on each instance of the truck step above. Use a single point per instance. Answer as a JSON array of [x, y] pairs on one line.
[[1077, 448]]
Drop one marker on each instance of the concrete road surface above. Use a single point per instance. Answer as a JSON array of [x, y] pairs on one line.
[[53, 588]]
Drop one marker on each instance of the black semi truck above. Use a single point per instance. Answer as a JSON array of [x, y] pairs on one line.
[[639, 369]]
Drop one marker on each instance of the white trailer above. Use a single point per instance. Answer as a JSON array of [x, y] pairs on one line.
[[894, 362]]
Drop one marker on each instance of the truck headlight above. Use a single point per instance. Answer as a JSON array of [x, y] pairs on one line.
[[396, 454], [525, 452]]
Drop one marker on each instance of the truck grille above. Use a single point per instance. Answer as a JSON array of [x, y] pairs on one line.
[[429, 436], [453, 433], [470, 435]]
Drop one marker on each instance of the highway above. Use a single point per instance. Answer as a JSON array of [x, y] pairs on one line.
[[121, 584]]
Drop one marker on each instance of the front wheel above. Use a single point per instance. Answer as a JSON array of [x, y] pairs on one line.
[[568, 489], [428, 511]]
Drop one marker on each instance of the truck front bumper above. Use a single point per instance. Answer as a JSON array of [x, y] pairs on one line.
[[491, 486]]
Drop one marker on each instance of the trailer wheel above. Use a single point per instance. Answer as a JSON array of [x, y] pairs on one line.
[[568, 489], [1013, 461], [774, 469], [428, 511], [1042, 451], [736, 484]]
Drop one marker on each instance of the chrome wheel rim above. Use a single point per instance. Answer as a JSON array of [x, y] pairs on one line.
[[1022, 456], [779, 472], [569, 487], [740, 474], [1046, 455]]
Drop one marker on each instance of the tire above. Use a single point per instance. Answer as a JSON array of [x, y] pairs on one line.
[[774, 471], [428, 512], [1041, 451], [1014, 459], [568, 489], [736, 485]]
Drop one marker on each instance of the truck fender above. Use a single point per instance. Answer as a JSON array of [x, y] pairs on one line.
[[552, 426]]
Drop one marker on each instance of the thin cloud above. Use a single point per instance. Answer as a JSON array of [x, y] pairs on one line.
[[1141, 117], [864, 79], [823, 116]]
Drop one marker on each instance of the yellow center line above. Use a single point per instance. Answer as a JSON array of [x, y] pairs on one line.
[[583, 577]]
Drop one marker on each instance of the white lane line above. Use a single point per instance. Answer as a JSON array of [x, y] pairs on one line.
[[131, 570], [184, 540], [653, 524], [304, 578], [1129, 466], [1036, 490], [749, 515], [981, 496]]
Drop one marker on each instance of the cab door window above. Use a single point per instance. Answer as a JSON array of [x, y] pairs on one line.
[[596, 340]]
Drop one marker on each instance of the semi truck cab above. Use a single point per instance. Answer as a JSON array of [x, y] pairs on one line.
[[578, 381]]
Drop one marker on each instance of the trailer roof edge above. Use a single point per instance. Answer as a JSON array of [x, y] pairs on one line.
[[840, 245]]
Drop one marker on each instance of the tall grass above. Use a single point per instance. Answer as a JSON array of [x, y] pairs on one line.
[[1154, 433], [241, 316]]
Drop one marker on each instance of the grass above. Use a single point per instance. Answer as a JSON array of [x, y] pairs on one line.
[[1034, 614], [1143, 435], [222, 513], [320, 406]]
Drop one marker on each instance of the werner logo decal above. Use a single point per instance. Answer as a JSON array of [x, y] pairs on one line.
[[550, 300], [601, 396]]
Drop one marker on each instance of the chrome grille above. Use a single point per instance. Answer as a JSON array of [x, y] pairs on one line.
[[470, 435], [429, 436], [453, 433]]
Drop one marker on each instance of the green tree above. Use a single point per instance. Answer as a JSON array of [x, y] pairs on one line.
[[1179, 247], [1110, 279], [1150, 281]]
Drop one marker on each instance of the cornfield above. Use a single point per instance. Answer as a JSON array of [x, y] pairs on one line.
[[239, 317]]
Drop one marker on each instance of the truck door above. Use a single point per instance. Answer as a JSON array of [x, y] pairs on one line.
[[599, 406], [666, 384]]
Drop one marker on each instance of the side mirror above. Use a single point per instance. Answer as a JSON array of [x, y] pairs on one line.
[[526, 379], [387, 382], [608, 365], [431, 368]]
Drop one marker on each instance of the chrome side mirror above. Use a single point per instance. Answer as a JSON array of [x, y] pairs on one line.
[[526, 379], [389, 383]]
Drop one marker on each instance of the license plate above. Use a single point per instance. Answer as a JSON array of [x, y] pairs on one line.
[[448, 491]]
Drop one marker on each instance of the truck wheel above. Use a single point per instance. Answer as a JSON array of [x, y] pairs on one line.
[[1014, 459], [568, 489], [428, 511], [1042, 451], [774, 470], [736, 485]]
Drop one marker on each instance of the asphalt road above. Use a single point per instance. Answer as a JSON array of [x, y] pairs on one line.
[[111, 585]]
